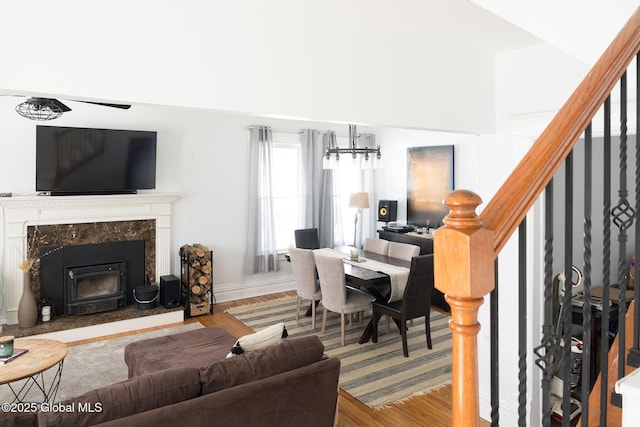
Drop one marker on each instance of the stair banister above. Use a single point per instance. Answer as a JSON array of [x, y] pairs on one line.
[[466, 247]]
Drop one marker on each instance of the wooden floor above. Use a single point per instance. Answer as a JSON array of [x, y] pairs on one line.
[[432, 410]]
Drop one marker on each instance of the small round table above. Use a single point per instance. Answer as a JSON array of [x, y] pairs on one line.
[[43, 354]]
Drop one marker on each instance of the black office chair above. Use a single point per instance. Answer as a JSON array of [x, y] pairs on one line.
[[307, 238], [416, 301]]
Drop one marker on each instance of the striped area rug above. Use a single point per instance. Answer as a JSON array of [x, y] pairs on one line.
[[375, 374]]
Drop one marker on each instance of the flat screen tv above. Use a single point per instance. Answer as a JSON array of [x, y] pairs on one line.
[[74, 161]]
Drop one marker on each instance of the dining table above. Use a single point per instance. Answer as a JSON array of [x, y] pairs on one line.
[[382, 276]]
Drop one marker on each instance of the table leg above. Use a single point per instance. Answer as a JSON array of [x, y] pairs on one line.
[[49, 391]]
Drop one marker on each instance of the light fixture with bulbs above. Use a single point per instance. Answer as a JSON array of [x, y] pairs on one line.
[[332, 154], [41, 109]]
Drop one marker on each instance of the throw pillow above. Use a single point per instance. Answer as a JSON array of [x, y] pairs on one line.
[[261, 339]]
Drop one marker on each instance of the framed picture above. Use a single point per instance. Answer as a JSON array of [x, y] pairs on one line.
[[429, 180]]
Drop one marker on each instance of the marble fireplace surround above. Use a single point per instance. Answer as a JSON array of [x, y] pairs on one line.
[[20, 214]]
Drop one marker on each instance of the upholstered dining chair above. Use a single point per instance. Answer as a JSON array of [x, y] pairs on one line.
[[403, 251], [378, 246], [336, 296], [303, 264], [416, 301], [307, 238]]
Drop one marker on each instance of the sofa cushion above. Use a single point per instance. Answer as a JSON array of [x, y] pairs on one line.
[[192, 349], [288, 354], [126, 398], [261, 339]]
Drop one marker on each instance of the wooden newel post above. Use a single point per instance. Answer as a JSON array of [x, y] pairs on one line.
[[464, 272]]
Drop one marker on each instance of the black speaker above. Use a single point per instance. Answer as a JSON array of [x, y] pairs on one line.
[[169, 291], [387, 210]]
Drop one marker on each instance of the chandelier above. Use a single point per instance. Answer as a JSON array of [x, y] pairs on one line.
[[40, 109], [332, 154]]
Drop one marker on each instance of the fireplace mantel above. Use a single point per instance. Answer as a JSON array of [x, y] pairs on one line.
[[19, 212]]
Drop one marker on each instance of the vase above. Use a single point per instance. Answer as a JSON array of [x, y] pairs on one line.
[[27, 308]]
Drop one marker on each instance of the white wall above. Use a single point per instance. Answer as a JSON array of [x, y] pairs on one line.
[[203, 156], [328, 61], [391, 181]]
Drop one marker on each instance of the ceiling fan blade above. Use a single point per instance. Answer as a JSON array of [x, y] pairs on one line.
[[60, 105], [106, 104]]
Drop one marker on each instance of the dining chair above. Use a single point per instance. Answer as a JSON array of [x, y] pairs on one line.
[[336, 296], [405, 251], [415, 302], [303, 265], [378, 246], [307, 238]]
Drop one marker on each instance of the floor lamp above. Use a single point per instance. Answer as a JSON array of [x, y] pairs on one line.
[[359, 201]]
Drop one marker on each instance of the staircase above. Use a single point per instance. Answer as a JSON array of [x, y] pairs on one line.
[[468, 249]]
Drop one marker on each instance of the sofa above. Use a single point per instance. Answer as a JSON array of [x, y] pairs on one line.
[[187, 379]]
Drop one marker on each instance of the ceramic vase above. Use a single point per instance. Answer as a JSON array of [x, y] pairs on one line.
[[27, 308]]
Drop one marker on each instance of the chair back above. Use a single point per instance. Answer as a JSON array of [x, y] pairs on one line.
[[403, 251], [303, 265], [416, 301], [378, 246], [332, 282], [307, 238]]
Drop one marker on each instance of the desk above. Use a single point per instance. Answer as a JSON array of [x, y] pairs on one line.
[[42, 355]]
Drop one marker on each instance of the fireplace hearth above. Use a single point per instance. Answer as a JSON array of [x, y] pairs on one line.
[[92, 278]]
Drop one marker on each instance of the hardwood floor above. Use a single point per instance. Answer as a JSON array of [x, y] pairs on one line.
[[432, 410]]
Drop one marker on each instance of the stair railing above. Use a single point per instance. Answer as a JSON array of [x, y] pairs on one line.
[[466, 248]]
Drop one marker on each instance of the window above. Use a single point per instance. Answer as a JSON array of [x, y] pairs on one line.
[[289, 194], [288, 197]]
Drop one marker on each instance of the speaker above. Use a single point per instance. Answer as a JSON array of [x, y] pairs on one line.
[[169, 291], [387, 210]]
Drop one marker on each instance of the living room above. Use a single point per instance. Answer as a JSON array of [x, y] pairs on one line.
[[176, 80]]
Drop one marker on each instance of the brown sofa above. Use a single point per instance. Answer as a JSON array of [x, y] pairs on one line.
[[186, 380]]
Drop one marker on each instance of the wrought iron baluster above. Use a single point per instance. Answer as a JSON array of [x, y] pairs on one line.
[[522, 334], [623, 216], [546, 352], [495, 352], [606, 262], [586, 271], [566, 320]]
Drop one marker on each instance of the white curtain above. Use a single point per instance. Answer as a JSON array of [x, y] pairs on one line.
[[261, 251], [368, 224], [319, 209]]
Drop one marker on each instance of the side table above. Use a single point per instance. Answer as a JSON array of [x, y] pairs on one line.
[[43, 354]]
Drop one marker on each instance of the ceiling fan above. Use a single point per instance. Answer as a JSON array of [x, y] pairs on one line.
[[50, 108]]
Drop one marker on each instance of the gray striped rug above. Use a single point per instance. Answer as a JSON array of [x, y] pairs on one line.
[[375, 374]]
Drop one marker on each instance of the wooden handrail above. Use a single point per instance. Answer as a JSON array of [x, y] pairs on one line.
[[465, 249], [519, 192]]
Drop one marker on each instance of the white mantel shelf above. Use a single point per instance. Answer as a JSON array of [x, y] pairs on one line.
[[17, 213]]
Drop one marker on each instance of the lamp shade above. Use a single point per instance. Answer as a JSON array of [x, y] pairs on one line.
[[359, 200]]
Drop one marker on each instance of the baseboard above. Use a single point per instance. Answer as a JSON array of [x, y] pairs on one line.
[[232, 292], [104, 329]]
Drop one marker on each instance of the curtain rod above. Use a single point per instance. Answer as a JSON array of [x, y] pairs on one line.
[[299, 131]]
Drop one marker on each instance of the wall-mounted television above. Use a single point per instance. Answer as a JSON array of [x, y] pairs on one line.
[[73, 161], [429, 180]]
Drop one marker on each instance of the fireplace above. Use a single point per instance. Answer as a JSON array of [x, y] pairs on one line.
[[85, 279], [95, 288], [80, 220]]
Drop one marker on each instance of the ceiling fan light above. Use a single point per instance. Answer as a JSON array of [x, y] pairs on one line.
[[39, 109]]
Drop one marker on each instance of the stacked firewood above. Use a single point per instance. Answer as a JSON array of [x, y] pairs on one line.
[[196, 276]]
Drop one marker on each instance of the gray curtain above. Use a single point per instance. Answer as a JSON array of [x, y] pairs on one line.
[[318, 182], [261, 252]]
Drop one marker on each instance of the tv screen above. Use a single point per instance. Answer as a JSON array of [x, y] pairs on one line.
[[94, 161]]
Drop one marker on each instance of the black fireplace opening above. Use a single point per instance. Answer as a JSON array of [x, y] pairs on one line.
[[86, 279], [96, 288]]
